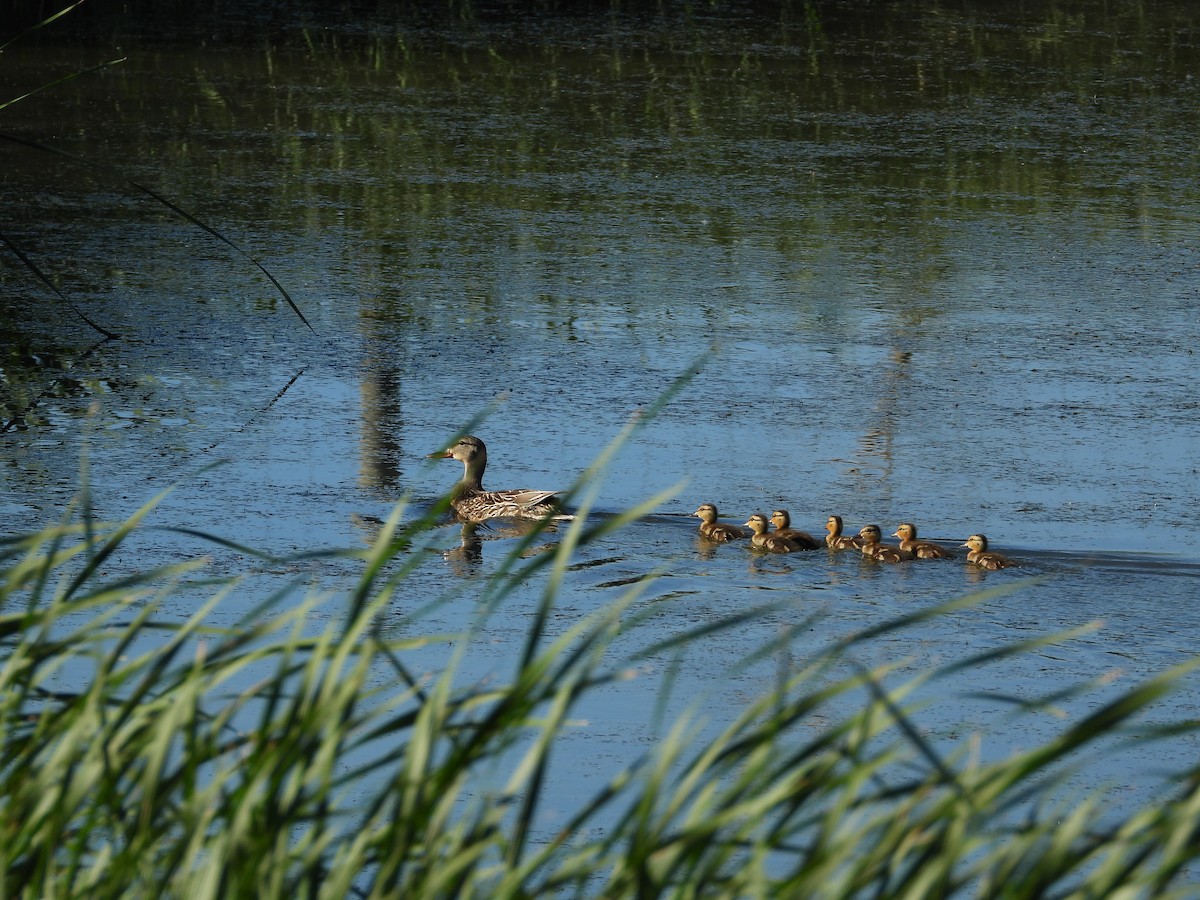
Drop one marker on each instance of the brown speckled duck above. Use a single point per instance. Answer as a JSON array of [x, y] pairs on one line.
[[783, 528], [907, 532], [761, 539], [714, 530], [471, 503], [835, 540], [978, 553], [873, 549]]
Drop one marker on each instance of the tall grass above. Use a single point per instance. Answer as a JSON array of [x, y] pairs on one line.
[[291, 754]]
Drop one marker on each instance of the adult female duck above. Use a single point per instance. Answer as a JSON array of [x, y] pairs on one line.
[[471, 503]]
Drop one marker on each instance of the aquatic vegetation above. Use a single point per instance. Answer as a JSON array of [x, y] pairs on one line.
[[299, 752]]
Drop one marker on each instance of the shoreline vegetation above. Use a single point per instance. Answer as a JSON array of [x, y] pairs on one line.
[[301, 754]]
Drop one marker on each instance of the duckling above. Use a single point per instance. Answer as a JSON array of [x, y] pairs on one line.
[[760, 539], [907, 532], [714, 530], [873, 549], [979, 554], [835, 540], [783, 528], [471, 503]]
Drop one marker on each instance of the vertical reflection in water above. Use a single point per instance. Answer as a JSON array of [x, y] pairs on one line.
[[878, 442], [380, 447], [466, 559]]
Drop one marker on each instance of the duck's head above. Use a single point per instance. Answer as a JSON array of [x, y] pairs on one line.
[[707, 512], [466, 449], [757, 523], [834, 525], [977, 542], [906, 531], [870, 533], [781, 519]]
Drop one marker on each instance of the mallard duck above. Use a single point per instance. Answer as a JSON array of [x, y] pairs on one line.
[[907, 532], [835, 540], [471, 503], [761, 539], [783, 528], [714, 530], [979, 554], [873, 549]]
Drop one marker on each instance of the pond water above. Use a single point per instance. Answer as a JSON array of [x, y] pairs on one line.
[[937, 266]]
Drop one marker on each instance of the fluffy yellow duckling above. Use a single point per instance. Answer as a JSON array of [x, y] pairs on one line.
[[761, 539], [714, 530], [835, 540], [907, 532], [784, 529], [978, 553], [873, 549]]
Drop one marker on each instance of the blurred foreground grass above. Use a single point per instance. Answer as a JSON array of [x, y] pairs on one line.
[[294, 756]]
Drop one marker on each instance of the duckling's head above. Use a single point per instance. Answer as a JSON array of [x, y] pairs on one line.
[[977, 542], [834, 525], [757, 523], [706, 512], [870, 533], [906, 531], [781, 518]]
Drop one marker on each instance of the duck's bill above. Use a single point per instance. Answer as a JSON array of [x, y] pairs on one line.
[[441, 454]]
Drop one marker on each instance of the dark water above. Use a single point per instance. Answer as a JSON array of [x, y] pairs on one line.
[[944, 261]]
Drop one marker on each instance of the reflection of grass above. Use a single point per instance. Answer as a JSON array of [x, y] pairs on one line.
[[295, 754]]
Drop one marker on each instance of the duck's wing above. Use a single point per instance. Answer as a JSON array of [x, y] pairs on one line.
[[519, 503], [719, 531], [528, 498], [928, 550]]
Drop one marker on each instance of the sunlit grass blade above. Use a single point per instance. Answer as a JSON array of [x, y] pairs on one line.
[[47, 86]]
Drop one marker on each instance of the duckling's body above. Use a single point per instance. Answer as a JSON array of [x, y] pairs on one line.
[[714, 530], [835, 540], [907, 532], [771, 542], [784, 529], [471, 503], [873, 549], [979, 554]]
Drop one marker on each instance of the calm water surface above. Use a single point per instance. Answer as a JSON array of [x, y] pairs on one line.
[[945, 264]]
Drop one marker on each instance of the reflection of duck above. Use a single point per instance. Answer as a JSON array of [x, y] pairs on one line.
[[464, 559], [907, 532], [979, 554], [783, 528], [873, 549], [835, 540], [714, 530], [760, 539], [473, 504]]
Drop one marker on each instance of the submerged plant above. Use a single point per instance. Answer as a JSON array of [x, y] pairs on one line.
[[295, 754]]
